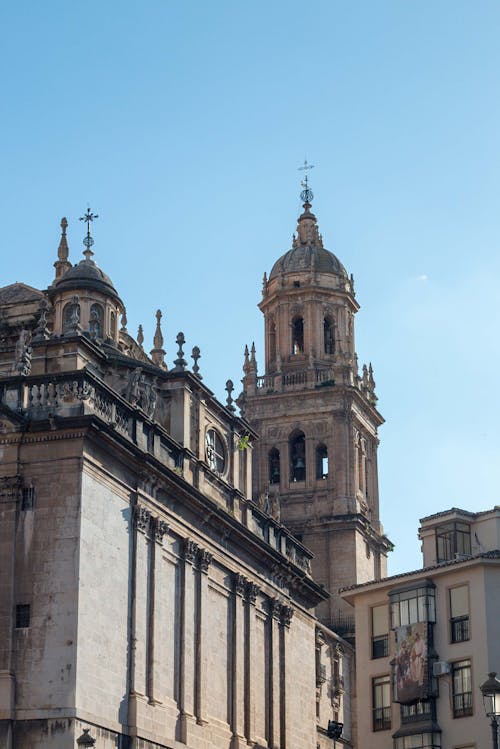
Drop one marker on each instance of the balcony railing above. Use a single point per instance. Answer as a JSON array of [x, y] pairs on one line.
[[298, 380]]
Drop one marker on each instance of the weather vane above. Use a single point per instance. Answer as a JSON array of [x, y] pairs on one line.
[[307, 194], [88, 241]]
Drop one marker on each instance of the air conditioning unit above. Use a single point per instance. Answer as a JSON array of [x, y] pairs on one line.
[[441, 668]]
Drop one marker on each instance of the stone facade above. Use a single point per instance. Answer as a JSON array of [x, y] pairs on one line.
[[145, 595]]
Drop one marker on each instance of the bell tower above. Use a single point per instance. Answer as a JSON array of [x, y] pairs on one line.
[[317, 417]]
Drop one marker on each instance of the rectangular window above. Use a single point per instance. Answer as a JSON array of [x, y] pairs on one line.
[[412, 606], [453, 541], [421, 710], [381, 691], [419, 741], [28, 498], [380, 631], [459, 613], [22, 615], [462, 689]]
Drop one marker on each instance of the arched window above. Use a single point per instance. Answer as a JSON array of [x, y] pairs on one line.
[[274, 466], [113, 325], [328, 336], [321, 462], [95, 321], [297, 456], [298, 335], [71, 316]]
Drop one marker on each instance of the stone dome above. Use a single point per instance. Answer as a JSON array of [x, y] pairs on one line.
[[307, 252], [301, 258], [86, 275]]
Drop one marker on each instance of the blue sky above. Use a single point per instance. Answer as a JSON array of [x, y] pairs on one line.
[[183, 124]]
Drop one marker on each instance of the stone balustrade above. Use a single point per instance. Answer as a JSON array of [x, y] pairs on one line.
[[297, 380]]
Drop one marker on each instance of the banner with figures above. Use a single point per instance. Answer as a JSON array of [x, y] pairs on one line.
[[411, 664]]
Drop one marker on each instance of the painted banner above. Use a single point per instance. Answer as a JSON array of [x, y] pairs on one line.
[[411, 664]]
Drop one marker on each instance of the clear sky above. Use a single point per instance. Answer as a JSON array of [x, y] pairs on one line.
[[182, 124]]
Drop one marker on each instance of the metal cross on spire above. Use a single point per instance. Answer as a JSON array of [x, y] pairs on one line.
[[88, 241], [307, 194]]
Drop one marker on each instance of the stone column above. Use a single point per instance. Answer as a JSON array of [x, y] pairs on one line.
[[159, 528], [140, 636], [187, 643], [250, 660], [238, 663], [202, 636], [274, 612], [286, 613]]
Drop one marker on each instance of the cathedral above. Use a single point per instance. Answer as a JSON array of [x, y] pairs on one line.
[[169, 569]]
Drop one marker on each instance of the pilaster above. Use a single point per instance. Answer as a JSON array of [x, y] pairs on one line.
[[187, 641], [238, 662], [202, 637], [252, 592]]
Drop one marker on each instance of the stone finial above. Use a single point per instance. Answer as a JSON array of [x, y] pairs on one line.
[[246, 361], [140, 336], [123, 328], [229, 390], [195, 355], [364, 378], [42, 332], [63, 249], [371, 381], [157, 353], [253, 361], [180, 363], [371, 386], [351, 281], [62, 264]]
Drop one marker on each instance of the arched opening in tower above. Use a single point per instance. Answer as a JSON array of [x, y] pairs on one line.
[[328, 336], [298, 336], [298, 456], [274, 466], [321, 462]]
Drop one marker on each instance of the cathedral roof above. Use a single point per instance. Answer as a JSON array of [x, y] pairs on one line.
[[19, 292], [307, 252], [85, 275]]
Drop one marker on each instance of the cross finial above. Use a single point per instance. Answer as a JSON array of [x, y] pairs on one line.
[[88, 241], [307, 194]]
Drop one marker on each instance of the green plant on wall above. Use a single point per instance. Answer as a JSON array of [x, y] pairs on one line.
[[243, 442]]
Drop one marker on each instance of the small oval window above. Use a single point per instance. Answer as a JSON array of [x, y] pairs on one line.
[[214, 451]]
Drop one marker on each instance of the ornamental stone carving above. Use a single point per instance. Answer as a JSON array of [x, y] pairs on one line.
[[161, 528], [205, 560], [274, 608], [190, 550], [240, 584], [142, 519], [286, 614], [253, 591]]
